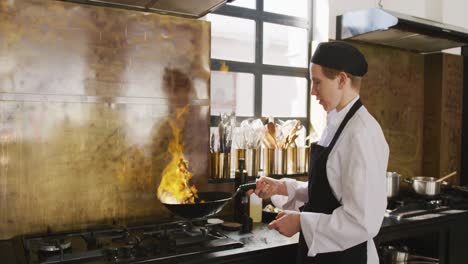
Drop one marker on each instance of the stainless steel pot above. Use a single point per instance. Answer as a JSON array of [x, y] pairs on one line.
[[427, 186], [393, 184]]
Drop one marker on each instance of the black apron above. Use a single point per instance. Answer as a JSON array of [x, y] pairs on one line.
[[322, 200]]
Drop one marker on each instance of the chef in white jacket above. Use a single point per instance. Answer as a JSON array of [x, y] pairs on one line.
[[345, 198]]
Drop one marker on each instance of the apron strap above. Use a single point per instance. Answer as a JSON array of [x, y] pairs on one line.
[[348, 116]]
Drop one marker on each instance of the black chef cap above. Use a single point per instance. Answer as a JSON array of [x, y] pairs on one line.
[[340, 56]]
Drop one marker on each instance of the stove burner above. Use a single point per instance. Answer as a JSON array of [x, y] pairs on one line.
[[416, 206], [432, 204], [118, 251], [54, 245], [129, 244]]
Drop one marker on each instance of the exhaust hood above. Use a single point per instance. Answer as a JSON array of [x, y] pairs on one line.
[[185, 8], [383, 27]]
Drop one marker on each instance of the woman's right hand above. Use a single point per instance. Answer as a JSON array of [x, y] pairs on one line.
[[267, 187]]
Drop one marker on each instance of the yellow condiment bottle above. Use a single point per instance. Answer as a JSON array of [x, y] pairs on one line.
[[255, 208]]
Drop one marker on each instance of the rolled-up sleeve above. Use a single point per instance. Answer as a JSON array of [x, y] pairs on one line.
[[362, 165], [297, 195]]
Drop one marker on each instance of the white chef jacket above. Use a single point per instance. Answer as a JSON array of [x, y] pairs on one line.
[[356, 170]]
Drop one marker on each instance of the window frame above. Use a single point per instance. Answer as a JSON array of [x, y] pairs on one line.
[[257, 68]]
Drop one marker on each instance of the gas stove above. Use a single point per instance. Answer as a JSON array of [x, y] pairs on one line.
[[410, 206], [139, 244]]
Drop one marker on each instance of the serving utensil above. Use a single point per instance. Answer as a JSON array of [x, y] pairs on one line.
[[272, 129], [447, 176]]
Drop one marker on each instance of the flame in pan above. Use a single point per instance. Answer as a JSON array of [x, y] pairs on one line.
[[175, 187]]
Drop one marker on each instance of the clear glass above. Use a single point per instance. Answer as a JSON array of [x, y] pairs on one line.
[[232, 91], [297, 8], [284, 96], [285, 45], [232, 38], [244, 3]]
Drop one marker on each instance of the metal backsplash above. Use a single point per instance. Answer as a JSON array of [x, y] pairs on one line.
[[85, 95]]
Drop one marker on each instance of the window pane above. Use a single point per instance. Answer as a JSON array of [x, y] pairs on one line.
[[232, 91], [298, 8], [244, 3], [232, 38], [284, 45], [284, 96]]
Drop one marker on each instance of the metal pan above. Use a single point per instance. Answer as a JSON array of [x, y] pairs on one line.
[[427, 186], [213, 203]]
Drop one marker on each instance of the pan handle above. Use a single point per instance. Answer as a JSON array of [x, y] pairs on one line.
[[460, 188], [248, 186], [444, 183], [244, 188], [408, 181]]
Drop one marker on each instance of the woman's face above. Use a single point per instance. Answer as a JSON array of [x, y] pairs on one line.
[[327, 91]]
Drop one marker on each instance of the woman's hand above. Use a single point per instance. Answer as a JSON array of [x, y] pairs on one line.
[[266, 187], [288, 223]]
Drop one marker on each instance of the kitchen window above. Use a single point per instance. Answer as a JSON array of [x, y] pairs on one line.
[[228, 90], [260, 52], [232, 38], [279, 89]]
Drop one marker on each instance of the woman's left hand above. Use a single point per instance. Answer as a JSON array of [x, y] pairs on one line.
[[288, 223]]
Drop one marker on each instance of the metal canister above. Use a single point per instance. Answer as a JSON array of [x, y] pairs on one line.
[[214, 165], [224, 168], [303, 154], [291, 160], [279, 160], [237, 154], [266, 161], [252, 161]]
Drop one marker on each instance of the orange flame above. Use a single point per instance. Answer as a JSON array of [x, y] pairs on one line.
[[174, 187]]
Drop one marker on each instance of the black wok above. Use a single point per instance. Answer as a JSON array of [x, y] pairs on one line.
[[213, 203]]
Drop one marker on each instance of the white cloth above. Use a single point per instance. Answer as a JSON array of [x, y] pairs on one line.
[[356, 170]]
